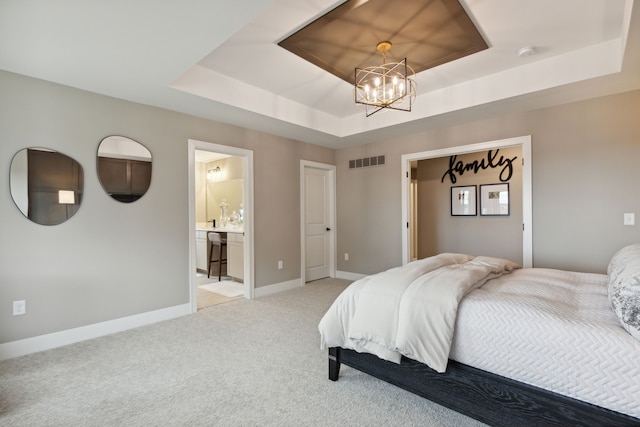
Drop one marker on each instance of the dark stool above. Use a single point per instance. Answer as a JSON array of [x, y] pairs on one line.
[[217, 243]]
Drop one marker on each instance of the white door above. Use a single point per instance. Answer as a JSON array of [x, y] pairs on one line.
[[317, 223]]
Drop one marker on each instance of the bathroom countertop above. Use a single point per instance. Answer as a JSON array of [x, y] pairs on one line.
[[228, 229]]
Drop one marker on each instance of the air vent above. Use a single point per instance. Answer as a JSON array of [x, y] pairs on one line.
[[366, 162]]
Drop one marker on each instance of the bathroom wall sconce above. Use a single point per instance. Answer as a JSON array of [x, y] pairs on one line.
[[214, 174]]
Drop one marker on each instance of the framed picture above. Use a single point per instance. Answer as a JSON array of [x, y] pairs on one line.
[[463, 200], [494, 199]]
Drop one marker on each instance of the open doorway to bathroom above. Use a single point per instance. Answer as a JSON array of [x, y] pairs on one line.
[[221, 202]]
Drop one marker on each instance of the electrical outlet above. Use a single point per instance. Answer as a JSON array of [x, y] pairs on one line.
[[19, 307], [280, 265], [346, 256], [629, 219]]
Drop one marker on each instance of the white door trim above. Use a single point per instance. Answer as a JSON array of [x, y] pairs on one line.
[[247, 199], [332, 217], [527, 215]]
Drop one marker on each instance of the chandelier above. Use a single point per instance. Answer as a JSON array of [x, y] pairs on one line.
[[390, 85]]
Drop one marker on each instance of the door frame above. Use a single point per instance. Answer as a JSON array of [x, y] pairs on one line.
[[247, 200], [331, 169], [527, 216]]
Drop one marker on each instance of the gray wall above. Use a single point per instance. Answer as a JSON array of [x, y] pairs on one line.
[[111, 259], [585, 175], [439, 231]]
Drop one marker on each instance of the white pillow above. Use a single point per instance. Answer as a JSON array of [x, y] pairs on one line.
[[624, 287]]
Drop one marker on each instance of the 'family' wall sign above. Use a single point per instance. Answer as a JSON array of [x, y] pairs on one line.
[[492, 161]]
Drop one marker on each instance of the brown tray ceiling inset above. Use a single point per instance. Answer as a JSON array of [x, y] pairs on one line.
[[426, 32]]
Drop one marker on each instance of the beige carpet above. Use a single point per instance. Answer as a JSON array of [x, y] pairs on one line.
[[244, 363]]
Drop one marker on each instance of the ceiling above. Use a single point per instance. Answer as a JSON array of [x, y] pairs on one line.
[[221, 60], [430, 32]]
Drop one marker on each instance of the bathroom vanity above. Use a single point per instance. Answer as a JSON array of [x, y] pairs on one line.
[[235, 249]]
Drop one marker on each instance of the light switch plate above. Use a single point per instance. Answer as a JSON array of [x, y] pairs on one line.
[[629, 219]]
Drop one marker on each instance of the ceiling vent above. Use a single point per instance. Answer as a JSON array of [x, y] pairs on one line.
[[367, 162]]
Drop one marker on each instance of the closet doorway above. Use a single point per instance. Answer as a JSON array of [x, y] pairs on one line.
[[240, 241], [409, 224]]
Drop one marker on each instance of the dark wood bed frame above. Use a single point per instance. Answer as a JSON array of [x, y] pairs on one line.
[[490, 398]]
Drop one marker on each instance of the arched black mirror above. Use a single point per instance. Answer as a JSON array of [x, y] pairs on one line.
[[46, 185], [124, 168]]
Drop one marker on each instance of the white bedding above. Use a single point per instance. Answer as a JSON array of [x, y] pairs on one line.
[[553, 329], [408, 310], [549, 328]]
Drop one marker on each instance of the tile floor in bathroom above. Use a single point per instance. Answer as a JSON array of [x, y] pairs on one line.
[[206, 298]]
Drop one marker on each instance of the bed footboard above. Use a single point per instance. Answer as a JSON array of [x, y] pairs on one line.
[[487, 397]]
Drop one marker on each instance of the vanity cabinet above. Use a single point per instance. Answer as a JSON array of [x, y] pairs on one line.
[[235, 252], [201, 250]]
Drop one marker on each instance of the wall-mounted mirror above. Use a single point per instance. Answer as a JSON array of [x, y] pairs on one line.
[[46, 185], [124, 168]]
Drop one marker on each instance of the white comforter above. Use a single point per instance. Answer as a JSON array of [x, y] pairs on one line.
[[409, 310], [552, 329]]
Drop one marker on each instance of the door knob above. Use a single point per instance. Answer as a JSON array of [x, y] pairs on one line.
[[328, 229]]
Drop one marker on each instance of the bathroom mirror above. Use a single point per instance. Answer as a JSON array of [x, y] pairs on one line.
[[124, 168], [46, 185], [224, 184], [229, 191]]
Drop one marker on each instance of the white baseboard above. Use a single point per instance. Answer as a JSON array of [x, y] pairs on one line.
[[349, 276], [263, 291], [58, 339]]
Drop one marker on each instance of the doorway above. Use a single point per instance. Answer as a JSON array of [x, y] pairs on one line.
[[245, 234], [524, 142], [317, 219]]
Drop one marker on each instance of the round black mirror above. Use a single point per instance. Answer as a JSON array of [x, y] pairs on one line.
[[46, 185], [124, 168]]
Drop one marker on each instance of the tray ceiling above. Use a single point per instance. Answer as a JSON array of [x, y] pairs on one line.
[[426, 33], [222, 61]]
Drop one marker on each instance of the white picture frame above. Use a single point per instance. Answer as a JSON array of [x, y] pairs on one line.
[[463, 200], [494, 199]]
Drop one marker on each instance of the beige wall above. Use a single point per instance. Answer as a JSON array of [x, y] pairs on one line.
[[585, 174], [228, 186], [111, 259], [439, 231]]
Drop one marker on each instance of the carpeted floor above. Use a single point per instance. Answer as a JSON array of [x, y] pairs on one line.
[[243, 363]]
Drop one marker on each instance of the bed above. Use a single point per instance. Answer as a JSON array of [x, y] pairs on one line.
[[504, 345]]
